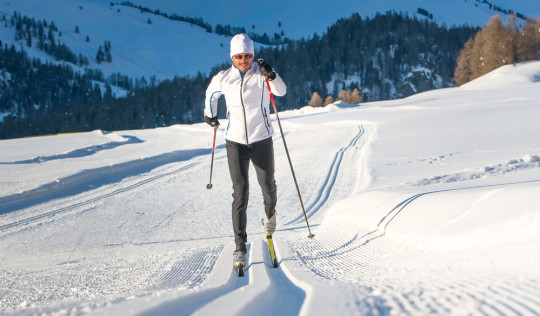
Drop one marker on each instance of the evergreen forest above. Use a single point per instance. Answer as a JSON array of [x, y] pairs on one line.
[[383, 57]]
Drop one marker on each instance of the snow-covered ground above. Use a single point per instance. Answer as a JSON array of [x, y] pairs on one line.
[[425, 205]]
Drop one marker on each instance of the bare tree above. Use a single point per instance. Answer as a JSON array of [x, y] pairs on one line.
[[350, 96], [316, 100], [497, 45], [529, 40], [329, 100], [464, 67]]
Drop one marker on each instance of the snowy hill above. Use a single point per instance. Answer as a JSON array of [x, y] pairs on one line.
[[145, 44], [424, 205], [300, 18]]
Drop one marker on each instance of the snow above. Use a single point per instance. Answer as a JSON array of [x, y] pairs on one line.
[[167, 48], [162, 49], [297, 16], [424, 205]]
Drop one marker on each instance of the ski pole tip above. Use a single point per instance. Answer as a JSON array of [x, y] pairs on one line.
[[310, 236], [209, 186]]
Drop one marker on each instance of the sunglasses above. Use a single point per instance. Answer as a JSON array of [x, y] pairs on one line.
[[242, 56]]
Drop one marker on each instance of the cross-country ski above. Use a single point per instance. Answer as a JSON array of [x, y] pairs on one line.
[[272, 251]]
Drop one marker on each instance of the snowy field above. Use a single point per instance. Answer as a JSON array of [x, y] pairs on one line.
[[425, 205]]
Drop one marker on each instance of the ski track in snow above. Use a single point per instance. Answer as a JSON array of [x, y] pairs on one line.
[[78, 153], [80, 180], [330, 255], [93, 178], [90, 201], [383, 277], [335, 256], [264, 290], [67, 282], [322, 196]]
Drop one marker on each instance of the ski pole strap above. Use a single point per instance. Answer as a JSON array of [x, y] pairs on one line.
[[271, 95]]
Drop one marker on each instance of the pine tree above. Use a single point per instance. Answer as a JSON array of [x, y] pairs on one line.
[[107, 55], [100, 55]]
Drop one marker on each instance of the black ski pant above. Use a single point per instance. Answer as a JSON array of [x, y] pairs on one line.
[[261, 154]]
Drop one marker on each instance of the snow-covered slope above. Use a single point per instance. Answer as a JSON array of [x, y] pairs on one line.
[[425, 205], [163, 49], [167, 48], [300, 18]]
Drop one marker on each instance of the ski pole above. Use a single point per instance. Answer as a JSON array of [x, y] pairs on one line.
[[209, 185], [287, 151]]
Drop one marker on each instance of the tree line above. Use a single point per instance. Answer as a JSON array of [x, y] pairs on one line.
[[387, 56], [46, 98], [496, 45]]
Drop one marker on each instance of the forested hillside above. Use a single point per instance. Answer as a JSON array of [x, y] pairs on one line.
[[388, 56], [384, 57]]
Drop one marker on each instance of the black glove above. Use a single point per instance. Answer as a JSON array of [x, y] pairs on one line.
[[212, 121], [266, 70]]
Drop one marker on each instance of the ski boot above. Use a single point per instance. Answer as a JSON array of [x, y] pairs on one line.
[[240, 261]]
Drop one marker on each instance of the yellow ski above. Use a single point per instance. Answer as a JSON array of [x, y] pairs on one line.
[[270, 243]]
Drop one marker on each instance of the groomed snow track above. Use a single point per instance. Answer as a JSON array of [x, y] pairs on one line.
[[184, 275], [264, 290]]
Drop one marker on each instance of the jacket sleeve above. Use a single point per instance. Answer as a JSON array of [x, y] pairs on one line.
[[278, 86], [213, 92]]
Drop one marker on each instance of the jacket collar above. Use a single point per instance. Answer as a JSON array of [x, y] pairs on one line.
[[249, 72]]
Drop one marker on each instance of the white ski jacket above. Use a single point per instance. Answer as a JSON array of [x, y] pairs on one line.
[[248, 103]]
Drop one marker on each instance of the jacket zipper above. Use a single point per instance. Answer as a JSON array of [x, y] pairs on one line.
[[266, 117], [244, 109], [228, 124]]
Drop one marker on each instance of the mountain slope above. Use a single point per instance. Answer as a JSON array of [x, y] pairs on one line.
[[166, 48], [303, 18], [162, 49]]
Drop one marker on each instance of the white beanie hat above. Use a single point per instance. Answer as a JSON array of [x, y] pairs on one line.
[[241, 43]]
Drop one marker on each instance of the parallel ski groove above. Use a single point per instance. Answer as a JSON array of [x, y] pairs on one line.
[[75, 206], [191, 270], [336, 256], [325, 190]]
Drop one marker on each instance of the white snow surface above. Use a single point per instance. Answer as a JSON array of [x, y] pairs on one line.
[[301, 18], [424, 205]]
